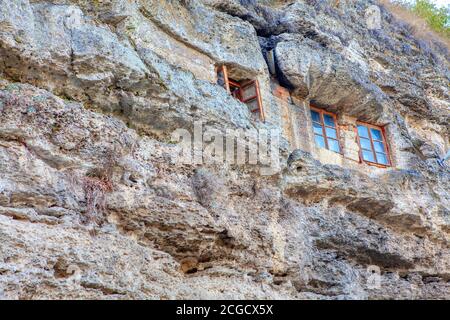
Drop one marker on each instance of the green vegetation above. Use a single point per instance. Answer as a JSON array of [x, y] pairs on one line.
[[437, 19]]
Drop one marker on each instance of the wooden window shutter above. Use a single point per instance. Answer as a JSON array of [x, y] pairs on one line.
[[251, 95], [222, 78]]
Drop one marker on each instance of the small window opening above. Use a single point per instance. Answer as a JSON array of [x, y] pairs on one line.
[[326, 131], [246, 91], [372, 144]]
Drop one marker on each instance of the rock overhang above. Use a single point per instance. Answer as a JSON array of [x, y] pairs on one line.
[[330, 81]]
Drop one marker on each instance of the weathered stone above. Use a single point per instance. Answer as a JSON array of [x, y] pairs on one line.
[[94, 206]]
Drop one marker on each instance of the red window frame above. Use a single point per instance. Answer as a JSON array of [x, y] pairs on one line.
[[384, 141], [223, 70], [324, 134], [235, 89]]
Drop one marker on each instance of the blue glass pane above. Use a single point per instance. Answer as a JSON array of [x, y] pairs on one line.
[[362, 131], [315, 116], [320, 141], [331, 133], [329, 120], [365, 143], [376, 134], [382, 159], [334, 145], [379, 146], [317, 128], [368, 156]]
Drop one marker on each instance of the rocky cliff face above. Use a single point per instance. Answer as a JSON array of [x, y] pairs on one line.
[[92, 204]]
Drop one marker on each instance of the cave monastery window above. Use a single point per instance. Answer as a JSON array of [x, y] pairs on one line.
[[245, 90], [372, 144], [326, 131]]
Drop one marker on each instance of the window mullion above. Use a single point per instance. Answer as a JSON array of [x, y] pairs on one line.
[[372, 144], [358, 139], [322, 119], [259, 101], [239, 93], [225, 76], [386, 147]]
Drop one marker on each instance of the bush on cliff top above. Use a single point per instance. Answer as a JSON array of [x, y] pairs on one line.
[[419, 16], [437, 19]]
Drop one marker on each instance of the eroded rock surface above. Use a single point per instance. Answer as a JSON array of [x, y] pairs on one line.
[[93, 206]]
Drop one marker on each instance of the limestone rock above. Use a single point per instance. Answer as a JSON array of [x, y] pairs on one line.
[[94, 205]]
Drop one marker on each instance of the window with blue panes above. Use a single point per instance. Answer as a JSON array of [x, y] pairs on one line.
[[325, 129], [373, 144]]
